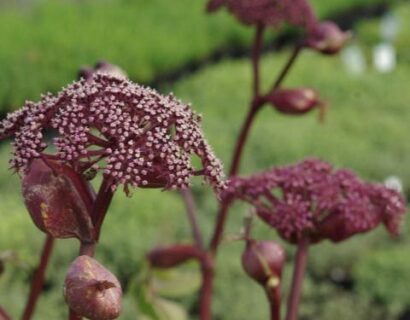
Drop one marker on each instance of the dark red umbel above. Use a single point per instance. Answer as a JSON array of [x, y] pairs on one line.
[[59, 200], [327, 38], [172, 256], [91, 290], [263, 261]]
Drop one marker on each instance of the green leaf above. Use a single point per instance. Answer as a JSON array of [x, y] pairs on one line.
[[174, 283]]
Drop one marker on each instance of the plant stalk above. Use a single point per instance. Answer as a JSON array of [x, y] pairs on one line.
[[101, 204], [38, 279], [100, 208], [282, 75], [207, 269], [192, 214], [297, 280], [273, 295]]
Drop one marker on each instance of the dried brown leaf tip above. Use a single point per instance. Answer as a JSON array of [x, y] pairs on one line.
[[133, 135]]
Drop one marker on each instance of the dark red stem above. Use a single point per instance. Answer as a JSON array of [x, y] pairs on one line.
[[273, 295], [296, 51], [207, 269], [38, 279], [102, 202], [100, 208], [3, 314], [257, 102], [192, 214], [256, 53], [297, 280], [255, 106]]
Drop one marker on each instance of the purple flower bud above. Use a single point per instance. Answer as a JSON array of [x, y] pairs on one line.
[[263, 261], [169, 257], [296, 101], [327, 38], [91, 290], [58, 199]]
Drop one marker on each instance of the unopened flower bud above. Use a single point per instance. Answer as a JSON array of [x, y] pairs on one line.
[[169, 257], [263, 261], [91, 290], [58, 199], [327, 38], [296, 101]]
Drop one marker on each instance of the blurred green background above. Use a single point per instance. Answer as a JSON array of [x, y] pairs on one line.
[[177, 47]]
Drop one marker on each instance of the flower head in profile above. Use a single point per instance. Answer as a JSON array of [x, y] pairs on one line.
[[268, 12], [132, 134], [311, 199]]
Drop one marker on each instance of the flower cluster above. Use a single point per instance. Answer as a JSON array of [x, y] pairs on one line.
[[134, 135], [269, 12], [311, 199]]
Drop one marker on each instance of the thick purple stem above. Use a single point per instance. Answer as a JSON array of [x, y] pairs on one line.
[[257, 102], [38, 279], [297, 280]]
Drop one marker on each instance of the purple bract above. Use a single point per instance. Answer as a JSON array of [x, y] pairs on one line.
[[311, 199]]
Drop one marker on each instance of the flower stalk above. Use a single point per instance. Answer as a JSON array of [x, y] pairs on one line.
[[38, 278], [297, 279]]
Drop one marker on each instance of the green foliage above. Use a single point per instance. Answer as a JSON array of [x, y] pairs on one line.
[[45, 42], [383, 275], [152, 285]]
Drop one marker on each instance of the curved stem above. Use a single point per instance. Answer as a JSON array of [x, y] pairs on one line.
[[38, 279], [297, 280], [257, 102], [256, 53], [3, 314], [102, 202], [282, 75], [192, 214]]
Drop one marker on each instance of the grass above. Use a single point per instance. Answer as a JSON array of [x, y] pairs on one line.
[[45, 42], [366, 130]]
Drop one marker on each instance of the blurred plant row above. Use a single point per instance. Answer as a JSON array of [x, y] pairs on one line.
[[43, 42]]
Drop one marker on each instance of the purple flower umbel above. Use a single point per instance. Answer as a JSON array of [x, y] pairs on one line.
[[311, 199], [134, 135], [269, 12]]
